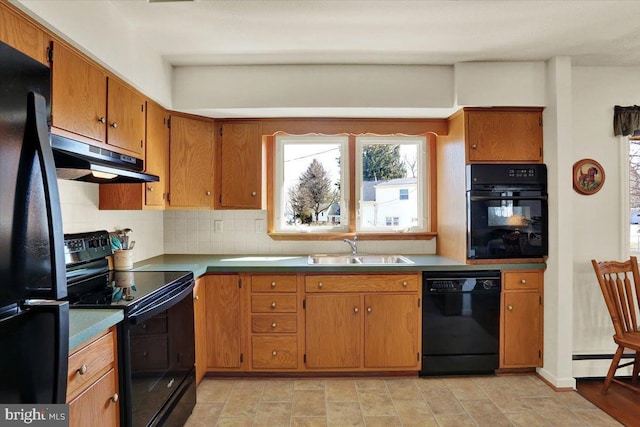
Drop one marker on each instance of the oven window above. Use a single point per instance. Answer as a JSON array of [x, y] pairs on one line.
[[509, 215]]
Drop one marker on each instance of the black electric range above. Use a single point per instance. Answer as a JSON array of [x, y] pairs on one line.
[[156, 351]]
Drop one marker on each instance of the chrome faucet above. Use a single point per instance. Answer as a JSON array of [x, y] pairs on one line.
[[353, 243]]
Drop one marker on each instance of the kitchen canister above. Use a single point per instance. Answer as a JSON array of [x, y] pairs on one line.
[[123, 259]]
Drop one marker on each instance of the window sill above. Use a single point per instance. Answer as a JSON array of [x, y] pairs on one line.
[[361, 236]]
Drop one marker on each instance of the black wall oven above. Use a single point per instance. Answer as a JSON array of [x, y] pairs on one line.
[[507, 212]]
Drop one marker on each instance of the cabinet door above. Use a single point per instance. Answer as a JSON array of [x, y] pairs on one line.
[[21, 34], [223, 321], [98, 405], [240, 166], [333, 325], [522, 329], [191, 163], [391, 331], [79, 95], [125, 118], [200, 327], [157, 154], [504, 136]]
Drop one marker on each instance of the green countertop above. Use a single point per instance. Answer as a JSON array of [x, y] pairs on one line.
[[201, 264], [85, 324]]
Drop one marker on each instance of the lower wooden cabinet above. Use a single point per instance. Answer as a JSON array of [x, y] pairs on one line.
[[363, 322], [92, 389], [223, 322], [521, 319]]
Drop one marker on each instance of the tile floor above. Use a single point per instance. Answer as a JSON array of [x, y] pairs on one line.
[[456, 401]]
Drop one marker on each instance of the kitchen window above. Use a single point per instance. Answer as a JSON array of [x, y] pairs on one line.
[[633, 231], [331, 185]]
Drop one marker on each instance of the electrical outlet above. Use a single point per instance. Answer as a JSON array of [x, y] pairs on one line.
[[217, 226], [260, 226]]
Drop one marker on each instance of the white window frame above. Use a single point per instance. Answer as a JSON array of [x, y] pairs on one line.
[[422, 182], [280, 197]]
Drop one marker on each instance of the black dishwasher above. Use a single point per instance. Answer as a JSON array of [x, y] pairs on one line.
[[460, 322]]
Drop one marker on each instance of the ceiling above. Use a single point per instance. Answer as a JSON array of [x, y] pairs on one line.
[[382, 32]]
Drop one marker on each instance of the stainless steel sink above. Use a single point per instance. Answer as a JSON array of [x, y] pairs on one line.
[[358, 259]]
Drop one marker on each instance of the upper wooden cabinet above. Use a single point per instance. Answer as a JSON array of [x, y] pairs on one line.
[[239, 160], [502, 135], [88, 103], [17, 31], [150, 195], [191, 163]]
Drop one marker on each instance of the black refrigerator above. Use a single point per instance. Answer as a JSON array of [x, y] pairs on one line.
[[34, 318]]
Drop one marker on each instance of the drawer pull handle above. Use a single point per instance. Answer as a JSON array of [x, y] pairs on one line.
[[253, 193], [523, 281], [510, 307], [196, 297], [273, 325], [208, 193], [474, 146], [405, 284], [320, 284], [115, 397], [273, 284], [369, 310], [114, 125], [355, 309], [274, 353], [102, 120], [144, 326], [273, 304], [83, 369], [149, 188]]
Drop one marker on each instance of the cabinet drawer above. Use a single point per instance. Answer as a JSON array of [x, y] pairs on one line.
[[275, 352], [273, 283], [98, 404], [514, 280], [273, 303], [88, 362], [362, 283], [261, 324]]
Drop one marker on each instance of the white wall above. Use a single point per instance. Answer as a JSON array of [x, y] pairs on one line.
[[597, 222], [79, 203]]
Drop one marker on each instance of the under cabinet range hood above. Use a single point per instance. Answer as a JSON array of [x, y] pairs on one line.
[[79, 161]]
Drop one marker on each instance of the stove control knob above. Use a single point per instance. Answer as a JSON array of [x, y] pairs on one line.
[[487, 284]]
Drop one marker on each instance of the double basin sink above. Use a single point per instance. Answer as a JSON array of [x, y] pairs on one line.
[[355, 259]]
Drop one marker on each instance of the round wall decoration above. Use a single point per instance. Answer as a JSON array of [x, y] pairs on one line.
[[588, 176]]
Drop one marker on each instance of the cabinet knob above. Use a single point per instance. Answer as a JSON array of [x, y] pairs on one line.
[[404, 284], [274, 353], [369, 310], [273, 304], [196, 297], [83, 369], [273, 325], [253, 193], [149, 188], [102, 120], [208, 193], [355, 309], [320, 284], [523, 281], [273, 284], [474, 146], [510, 307], [115, 397], [114, 125]]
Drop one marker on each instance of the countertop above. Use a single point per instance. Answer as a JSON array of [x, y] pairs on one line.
[[201, 264], [85, 324]]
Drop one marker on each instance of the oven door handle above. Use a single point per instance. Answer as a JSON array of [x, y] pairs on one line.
[[481, 198], [160, 306]]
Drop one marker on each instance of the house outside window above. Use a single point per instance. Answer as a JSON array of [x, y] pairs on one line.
[[404, 194]]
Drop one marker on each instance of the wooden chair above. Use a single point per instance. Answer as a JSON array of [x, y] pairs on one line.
[[620, 285]]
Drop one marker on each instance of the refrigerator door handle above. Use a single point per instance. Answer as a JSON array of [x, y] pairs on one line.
[[37, 133], [61, 311]]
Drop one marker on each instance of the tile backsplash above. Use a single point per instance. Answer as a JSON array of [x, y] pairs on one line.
[[202, 232], [244, 232], [80, 213]]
